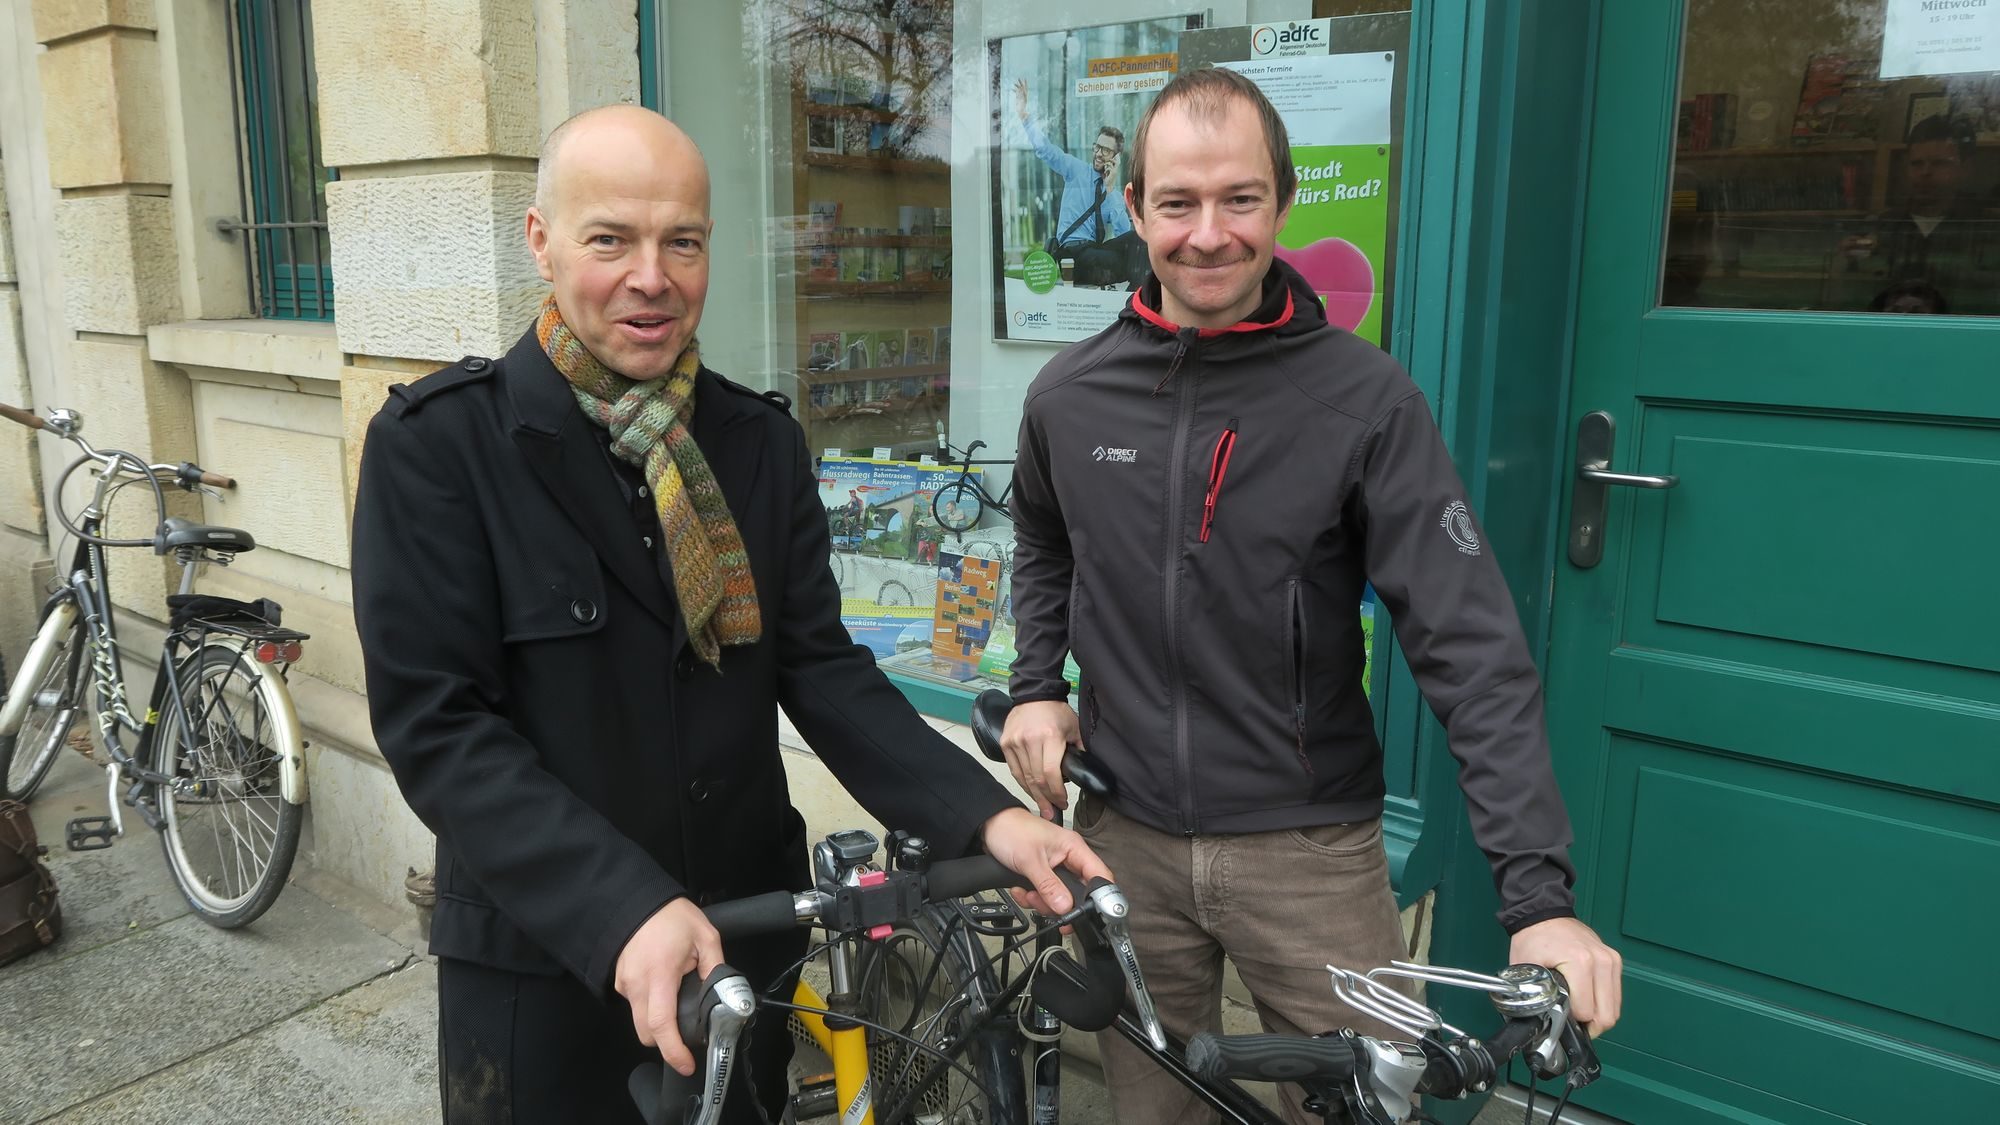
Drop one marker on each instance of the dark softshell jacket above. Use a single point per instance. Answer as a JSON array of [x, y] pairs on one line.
[[1197, 511]]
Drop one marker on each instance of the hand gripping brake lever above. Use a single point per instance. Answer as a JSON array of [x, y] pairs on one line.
[[712, 1014], [1115, 913]]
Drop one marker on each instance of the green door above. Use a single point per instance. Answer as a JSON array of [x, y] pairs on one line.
[[1775, 695]]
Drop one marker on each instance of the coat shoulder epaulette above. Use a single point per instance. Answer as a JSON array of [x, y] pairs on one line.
[[777, 399], [407, 398]]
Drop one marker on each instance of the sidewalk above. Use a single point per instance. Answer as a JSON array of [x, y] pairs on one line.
[[323, 1010]]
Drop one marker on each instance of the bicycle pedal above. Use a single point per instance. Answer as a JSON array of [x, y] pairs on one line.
[[89, 834]]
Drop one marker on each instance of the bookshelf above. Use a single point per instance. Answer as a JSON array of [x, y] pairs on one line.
[[874, 278]]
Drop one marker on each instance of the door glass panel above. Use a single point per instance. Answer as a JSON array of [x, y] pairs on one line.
[[1838, 155]]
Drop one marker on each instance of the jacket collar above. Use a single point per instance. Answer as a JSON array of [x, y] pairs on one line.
[[1287, 306], [566, 450]]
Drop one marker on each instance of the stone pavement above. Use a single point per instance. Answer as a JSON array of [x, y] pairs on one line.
[[324, 1010]]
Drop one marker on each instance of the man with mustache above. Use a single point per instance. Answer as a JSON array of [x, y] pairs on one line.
[[1201, 492], [586, 577]]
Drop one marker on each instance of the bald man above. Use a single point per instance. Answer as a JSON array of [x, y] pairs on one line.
[[586, 577]]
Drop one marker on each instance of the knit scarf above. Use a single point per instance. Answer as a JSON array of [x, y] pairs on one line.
[[648, 422]]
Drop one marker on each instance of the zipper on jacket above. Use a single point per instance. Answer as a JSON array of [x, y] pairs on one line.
[[1218, 468], [1187, 336], [1171, 587], [1090, 705], [1295, 653]]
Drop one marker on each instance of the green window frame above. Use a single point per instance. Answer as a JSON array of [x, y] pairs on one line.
[[284, 184]]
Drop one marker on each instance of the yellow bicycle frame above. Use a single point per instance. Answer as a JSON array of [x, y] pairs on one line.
[[849, 1052]]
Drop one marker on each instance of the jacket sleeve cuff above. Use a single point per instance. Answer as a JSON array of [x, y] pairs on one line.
[[600, 975], [1514, 925], [1059, 692]]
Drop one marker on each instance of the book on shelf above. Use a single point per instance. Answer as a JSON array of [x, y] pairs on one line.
[[823, 352], [889, 348], [917, 347], [857, 351], [1707, 122], [941, 344], [1840, 99], [856, 264]]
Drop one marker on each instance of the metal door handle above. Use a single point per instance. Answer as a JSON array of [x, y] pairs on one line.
[[1596, 437], [1633, 480]]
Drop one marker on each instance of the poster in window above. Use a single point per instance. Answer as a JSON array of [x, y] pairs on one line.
[[1938, 37], [1067, 103]]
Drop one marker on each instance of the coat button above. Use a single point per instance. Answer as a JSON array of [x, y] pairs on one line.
[[475, 364], [583, 610], [697, 791], [684, 669]]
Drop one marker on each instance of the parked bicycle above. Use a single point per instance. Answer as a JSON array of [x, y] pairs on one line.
[[960, 505], [217, 765], [1349, 1079]]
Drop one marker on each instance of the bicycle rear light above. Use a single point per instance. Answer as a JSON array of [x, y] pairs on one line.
[[278, 652]]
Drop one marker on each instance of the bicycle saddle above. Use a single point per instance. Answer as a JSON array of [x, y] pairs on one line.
[[177, 532], [989, 718]]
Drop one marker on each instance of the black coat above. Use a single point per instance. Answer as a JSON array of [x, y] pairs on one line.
[[531, 685]]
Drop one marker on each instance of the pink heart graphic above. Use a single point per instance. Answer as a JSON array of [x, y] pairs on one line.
[[1340, 273]]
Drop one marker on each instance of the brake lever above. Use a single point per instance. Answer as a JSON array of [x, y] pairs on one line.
[[734, 1003], [1115, 913]]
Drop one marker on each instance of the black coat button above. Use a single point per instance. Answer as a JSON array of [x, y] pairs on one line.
[[583, 610], [684, 669], [475, 364], [697, 791]]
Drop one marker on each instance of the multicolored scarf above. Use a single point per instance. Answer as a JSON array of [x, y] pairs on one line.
[[648, 421]]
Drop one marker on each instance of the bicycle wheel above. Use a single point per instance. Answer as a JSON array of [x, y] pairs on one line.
[[933, 981], [957, 506], [229, 834], [27, 754]]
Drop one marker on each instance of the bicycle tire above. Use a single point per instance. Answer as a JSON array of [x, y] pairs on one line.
[[890, 588], [992, 1049], [220, 686], [27, 754], [964, 500]]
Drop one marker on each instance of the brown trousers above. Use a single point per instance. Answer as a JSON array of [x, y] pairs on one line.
[[1282, 905]]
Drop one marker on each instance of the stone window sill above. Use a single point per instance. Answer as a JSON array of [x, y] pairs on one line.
[[215, 349]]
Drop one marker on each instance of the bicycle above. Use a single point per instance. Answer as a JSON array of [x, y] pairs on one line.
[[959, 506], [218, 766], [965, 1040], [1349, 1079]]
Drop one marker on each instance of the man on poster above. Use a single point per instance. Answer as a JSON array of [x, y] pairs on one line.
[[1269, 465], [1092, 227]]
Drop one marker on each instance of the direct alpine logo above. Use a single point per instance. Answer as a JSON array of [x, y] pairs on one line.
[[1115, 455], [1457, 523]]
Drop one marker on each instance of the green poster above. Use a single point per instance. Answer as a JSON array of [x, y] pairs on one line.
[[1338, 231]]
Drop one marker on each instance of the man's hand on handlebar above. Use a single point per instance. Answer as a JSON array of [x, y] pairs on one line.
[[1037, 734], [675, 941], [1593, 970], [1033, 848]]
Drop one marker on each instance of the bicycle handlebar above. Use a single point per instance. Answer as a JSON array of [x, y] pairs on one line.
[[989, 719], [26, 418]]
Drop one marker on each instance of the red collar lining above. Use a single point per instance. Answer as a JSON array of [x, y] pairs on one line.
[[1161, 322]]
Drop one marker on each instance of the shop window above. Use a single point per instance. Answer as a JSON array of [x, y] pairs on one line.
[[284, 183], [914, 214], [1837, 156]]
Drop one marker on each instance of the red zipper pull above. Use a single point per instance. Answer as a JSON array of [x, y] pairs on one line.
[[1218, 468]]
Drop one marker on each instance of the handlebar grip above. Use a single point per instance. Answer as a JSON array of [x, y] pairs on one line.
[[663, 1095], [27, 418], [768, 913], [957, 878], [1513, 1038], [1270, 1058], [217, 479]]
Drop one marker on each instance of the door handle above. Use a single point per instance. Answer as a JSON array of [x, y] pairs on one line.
[[1630, 480], [1596, 437]]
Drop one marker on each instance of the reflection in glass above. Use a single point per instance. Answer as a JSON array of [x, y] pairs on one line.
[[1806, 179]]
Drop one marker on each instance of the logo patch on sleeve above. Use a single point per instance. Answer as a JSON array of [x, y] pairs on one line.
[[1457, 523]]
